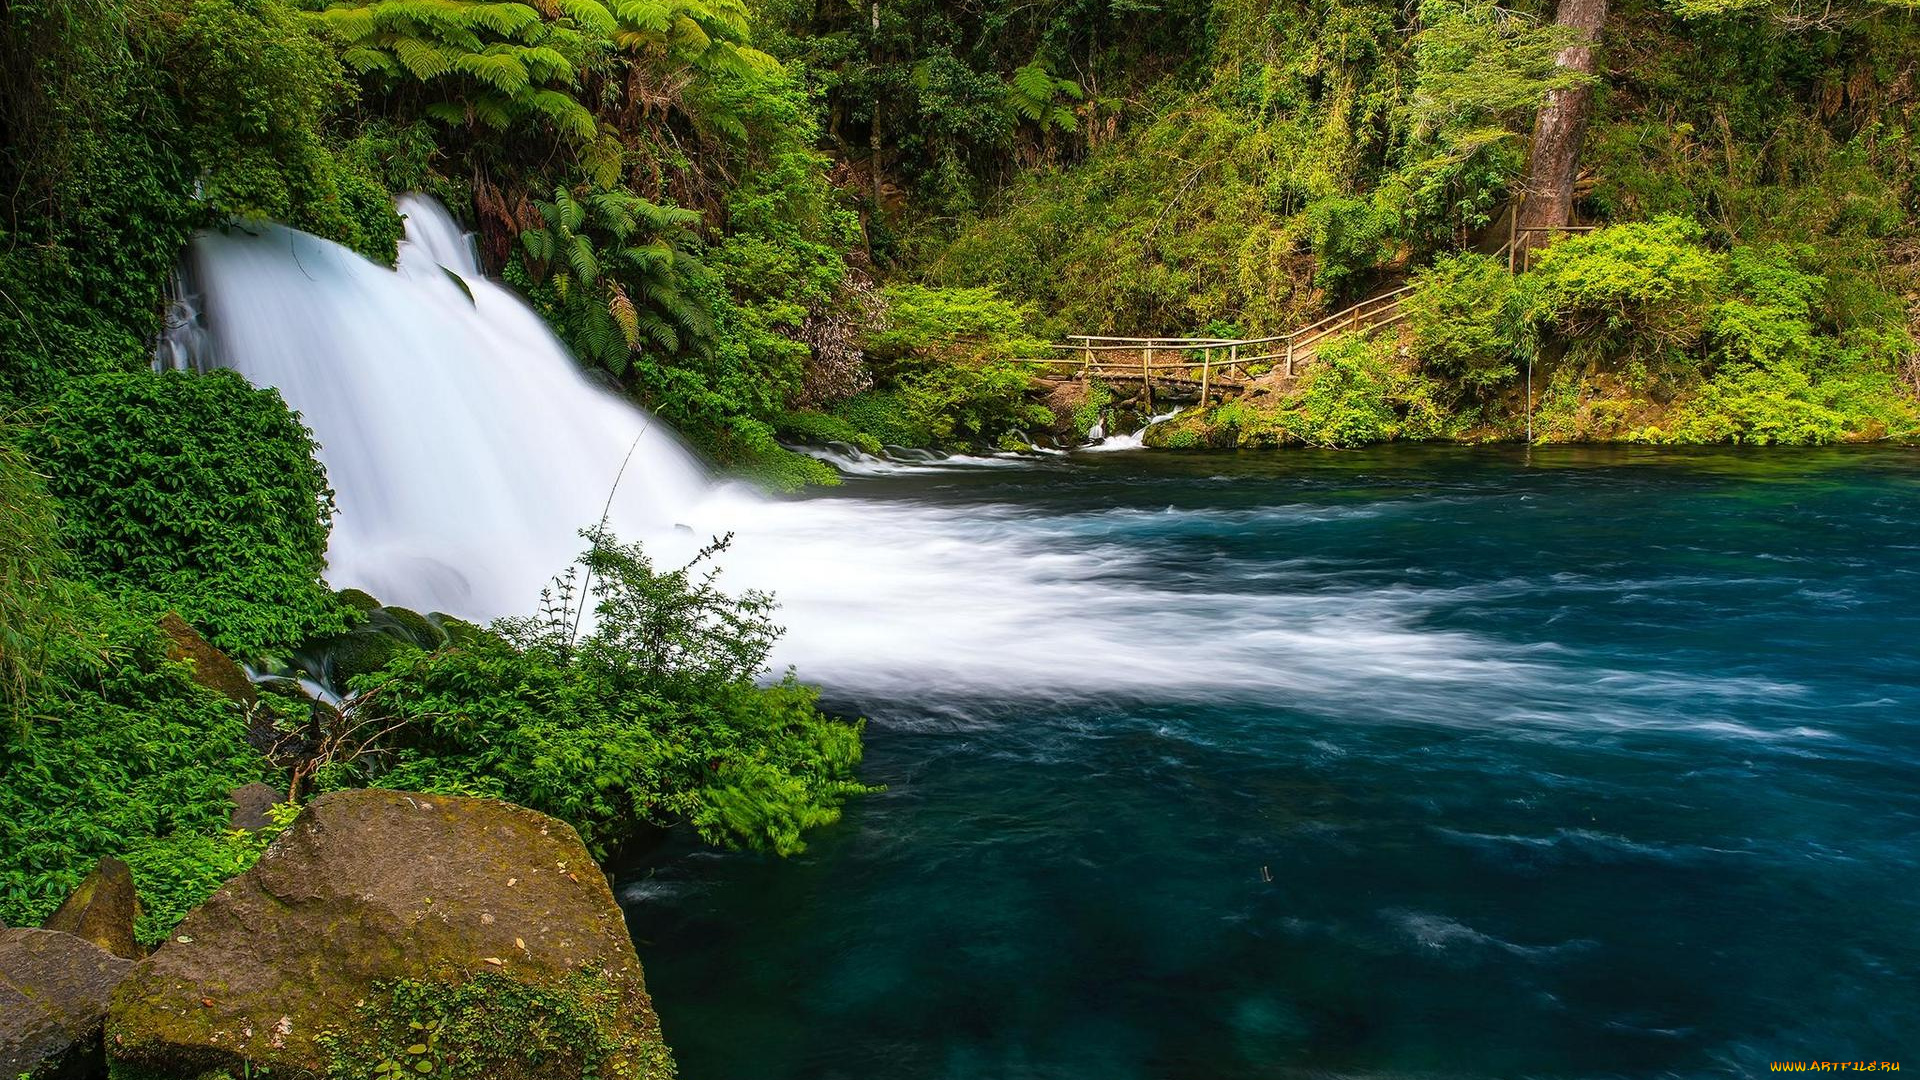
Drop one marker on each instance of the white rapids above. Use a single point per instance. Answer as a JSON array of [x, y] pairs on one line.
[[467, 450]]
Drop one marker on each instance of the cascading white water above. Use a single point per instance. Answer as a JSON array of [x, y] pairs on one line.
[[467, 450], [1104, 443], [464, 446]]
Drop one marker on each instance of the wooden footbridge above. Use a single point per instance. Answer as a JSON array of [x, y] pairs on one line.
[[1210, 363]]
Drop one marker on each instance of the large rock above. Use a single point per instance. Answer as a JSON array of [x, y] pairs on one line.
[[103, 910], [54, 990], [252, 806], [211, 667], [299, 957]]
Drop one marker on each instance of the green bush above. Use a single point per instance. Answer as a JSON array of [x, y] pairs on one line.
[[945, 360], [650, 718], [32, 618], [199, 492], [819, 427], [1643, 288], [125, 756], [1356, 393], [1467, 321], [885, 416]]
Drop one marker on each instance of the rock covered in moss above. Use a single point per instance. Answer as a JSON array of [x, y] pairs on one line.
[[377, 910], [54, 990], [103, 910], [211, 667]]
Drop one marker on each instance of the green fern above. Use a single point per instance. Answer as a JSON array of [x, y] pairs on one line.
[[494, 64], [1035, 95], [621, 271]]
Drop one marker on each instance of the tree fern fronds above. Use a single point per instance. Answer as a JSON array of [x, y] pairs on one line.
[[592, 15], [572, 118], [491, 110], [645, 16], [585, 263], [620, 306], [502, 71]]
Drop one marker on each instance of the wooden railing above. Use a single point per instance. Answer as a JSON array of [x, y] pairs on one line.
[[1227, 360], [1205, 361]]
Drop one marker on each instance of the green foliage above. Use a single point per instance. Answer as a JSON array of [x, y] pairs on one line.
[[945, 360], [32, 617], [969, 322], [195, 492], [490, 63], [494, 1027], [647, 717], [1784, 404], [256, 93], [1650, 281], [1357, 393], [1037, 96], [616, 273], [176, 874], [131, 123], [1467, 319], [127, 756], [888, 417], [819, 427]]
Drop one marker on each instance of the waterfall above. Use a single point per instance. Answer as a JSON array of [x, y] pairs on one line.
[[467, 451], [464, 445]]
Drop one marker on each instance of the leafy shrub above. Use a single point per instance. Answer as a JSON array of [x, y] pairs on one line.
[[613, 271], [649, 717], [885, 416], [1467, 321], [967, 323], [1356, 393], [126, 756], [944, 360], [199, 492], [819, 427], [31, 558], [1643, 287]]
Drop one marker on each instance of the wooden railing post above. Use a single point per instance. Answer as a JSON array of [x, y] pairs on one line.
[[1206, 375], [1146, 375], [1289, 356], [1086, 365], [1513, 234]]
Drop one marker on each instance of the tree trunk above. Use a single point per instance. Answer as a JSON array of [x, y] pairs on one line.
[[1558, 130]]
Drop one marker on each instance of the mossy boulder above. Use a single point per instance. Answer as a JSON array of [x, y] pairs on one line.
[[211, 667], [485, 923], [409, 626], [103, 910], [54, 990], [359, 652], [358, 599]]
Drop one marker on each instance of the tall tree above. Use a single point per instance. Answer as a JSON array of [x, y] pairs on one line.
[[1560, 126]]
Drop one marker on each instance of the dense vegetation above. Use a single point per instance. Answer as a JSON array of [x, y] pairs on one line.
[[847, 222]]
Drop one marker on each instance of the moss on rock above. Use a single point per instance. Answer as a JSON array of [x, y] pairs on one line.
[[376, 910]]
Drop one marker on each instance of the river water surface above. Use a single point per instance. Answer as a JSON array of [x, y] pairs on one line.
[[1449, 763]]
